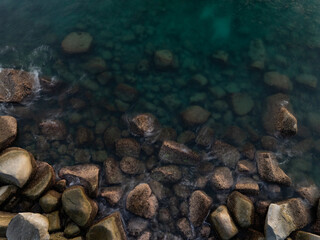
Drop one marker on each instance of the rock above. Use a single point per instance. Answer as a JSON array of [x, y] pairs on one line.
[[82, 156], [248, 150], [53, 129], [167, 134], [144, 125], [307, 80], [220, 56], [112, 194], [142, 202], [205, 136], [241, 207], [145, 236], [126, 93], [111, 135], [84, 136], [246, 166], [71, 230], [223, 223], [16, 166], [195, 115], [247, 185], [86, 175], [80, 208], [8, 129], [54, 221], [278, 81], [31, 226], [222, 178], [167, 174], [177, 153], [110, 227], [136, 226], [310, 192], [301, 235], [43, 179], [128, 147], [269, 143], [164, 59], [6, 192], [186, 137], [254, 235], [199, 79], [235, 135], [76, 42], [313, 121], [95, 65], [257, 53], [225, 153], [50, 201], [182, 190], [5, 218], [242, 103], [130, 165], [285, 217], [199, 206], [185, 228], [286, 123], [113, 172], [159, 190], [269, 169], [16, 85]]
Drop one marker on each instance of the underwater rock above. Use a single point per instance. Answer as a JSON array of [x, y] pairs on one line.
[[28, 226], [186, 137], [111, 135], [235, 135], [269, 143], [128, 147], [225, 153], [287, 123], [50, 201], [54, 221], [195, 115], [145, 236], [113, 172], [184, 227], [246, 166], [242, 103], [205, 136], [307, 80], [142, 202], [248, 150], [165, 174], [220, 56], [199, 206], [16, 166], [182, 190], [301, 235], [53, 129], [166, 134], [313, 120], [285, 217], [8, 129], [241, 207], [126, 93], [223, 223], [76, 42], [144, 125], [16, 85], [278, 81], [86, 175], [200, 79], [257, 54], [222, 178], [111, 194], [130, 165], [84, 136], [247, 185], [136, 226], [269, 169], [110, 227], [95, 65], [311, 193], [78, 206], [5, 218], [177, 153], [164, 59]]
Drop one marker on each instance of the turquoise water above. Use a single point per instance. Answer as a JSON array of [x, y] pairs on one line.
[[127, 33]]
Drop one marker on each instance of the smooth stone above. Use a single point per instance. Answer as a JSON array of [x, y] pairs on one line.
[[50, 201], [278, 81], [76, 42], [226, 153], [242, 103], [6, 192], [199, 206], [54, 221], [195, 115], [8, 129], [71, 230], [112, 194], [5, 218], [222, 178], [301, 235]]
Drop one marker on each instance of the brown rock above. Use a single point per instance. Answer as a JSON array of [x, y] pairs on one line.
[[286, 123], [71, 230], [128, 147], [159, 190], [113, 172], [76, 42], [53, 129], [186, 137], [185, 228], [167, 134], [278, 81], [247, 185], [6, 192], [126, 93], [205, 136], [111, 135], [5, 218], [235, 135], [8, 129], [310, 192], [199, 206], [181, 190], [50, 201], [95, 65], [84, 136], [131, 165], [269, 143], [226, 153], [222, 178], [164, 59], [54, 221], [142, 202], [170, 173], [195, 115], [246, 166], [136, 226], [145, 125], [112, 194], [248, 150]]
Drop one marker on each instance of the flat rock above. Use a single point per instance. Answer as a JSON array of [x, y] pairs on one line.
[[112, 194], [31, 226], [242, 103], [195, 115], [278, 81], [199, 206], [247, 185], [78, 206], [144, 125], [226, 153], [170, 173], [16, 166], [222, 178], [8, 129], [5, 218], [76, 42]]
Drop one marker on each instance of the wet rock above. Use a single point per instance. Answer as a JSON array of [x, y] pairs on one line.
[[248, 150], [113, 172], [86, 175], [247, 185], [164, 59], [110, 227], [78, 206], [128, 147], [16, 85], [200, 79], [136, 226], [269, 143], [220, 56], [285, 217], [6, 192], [50, 201], [84, 136], [177, 153], [8, 129], [111, 135], [223, 223], [16, 166], [241, 207], [199, 206], [313, 120], [95, 65], [164, 215], [205, 136], [130, 165], [31, 226], [278, 81], [5, 218], [222, 178], [307, 80], [145, 236], [310, 192], [286, 123], [235, 135], [60, 185], [185, 228], [167, 134], [182, 190], [126, 93], [257, 54], [195, 115], [43, 179], [54, 221], [142, 202], [225, 153], [254, 235], [112, 194], [269, 169], [242, 103], [159, 190], [71, 230], [144, 125], [301, 235], [246, 167], [170, 173], [53, 129], [76, 42]]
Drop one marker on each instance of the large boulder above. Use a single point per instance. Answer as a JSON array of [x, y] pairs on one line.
[[16, 85], [16, 166], [142, 202], [76, 42], [28, 226], [8, 129], [199, 206]]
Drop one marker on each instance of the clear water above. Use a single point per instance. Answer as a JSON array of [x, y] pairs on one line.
[[127, 32]]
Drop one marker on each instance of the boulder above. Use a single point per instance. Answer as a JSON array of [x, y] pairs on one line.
[[177, 153], [78, 206], [225, 153], [144, 125], [278, 81], [76, 42], [170, 173], [16, 166], [112, 194], [142, 202], [199, 206], [16, 85], [222, 178], [128, 147], [8, 129], [195, 115], [185, 228], [31, 226], [50, 201], [5, 218], [287, 124], [130, 165], [242, 103]]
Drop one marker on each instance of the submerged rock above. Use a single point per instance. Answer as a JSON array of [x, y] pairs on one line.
[[278, 81], [247, 185], [199, 206], [225, 153], [301, 235], [126, 93], [112, 194], [286, 123], [130, 165], [222, 178], [170, 173], [76, 42], [242, 103], [113, 172], [95, 65], [307, 80], [144, 125], [195, 115], [8, 129], [185, 228], [164, 59]]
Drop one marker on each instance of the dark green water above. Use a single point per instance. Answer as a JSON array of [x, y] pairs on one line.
[[126, 33]]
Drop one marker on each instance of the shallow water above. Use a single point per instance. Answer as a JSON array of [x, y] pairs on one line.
[[126, 34]]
